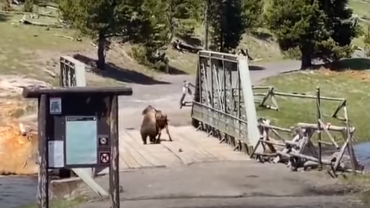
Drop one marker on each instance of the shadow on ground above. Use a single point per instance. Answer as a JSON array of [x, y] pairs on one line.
[[351, 64], [117, 73], [263, 36], [251, 68], [256, 68], [193, 41], [3, 17], [344, 64], [175, 71]]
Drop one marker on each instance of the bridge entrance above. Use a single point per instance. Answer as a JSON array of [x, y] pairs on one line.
[[218, 107], [188, 147]]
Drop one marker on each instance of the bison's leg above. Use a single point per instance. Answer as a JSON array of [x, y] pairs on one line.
[[153, 140], [168, 133]]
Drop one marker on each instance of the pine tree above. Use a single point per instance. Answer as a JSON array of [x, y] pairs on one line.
[[185, 14], [252, 13], [343, 28], [101, 19], [229, 19], [319, 29], [156, 32]]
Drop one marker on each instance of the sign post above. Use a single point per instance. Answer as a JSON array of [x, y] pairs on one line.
[[78, 128]]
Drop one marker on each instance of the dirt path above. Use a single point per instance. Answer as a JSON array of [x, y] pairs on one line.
[[229, 185], [166, 96]]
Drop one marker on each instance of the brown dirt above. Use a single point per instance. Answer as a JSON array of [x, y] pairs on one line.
[[363, 76], [17, 152]]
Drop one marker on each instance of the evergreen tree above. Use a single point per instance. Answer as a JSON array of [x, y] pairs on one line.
[[319, 29], [164, 19], [343, 28], [185, 16], [252, 13], [156, 30], [229, 19], [101, 19]]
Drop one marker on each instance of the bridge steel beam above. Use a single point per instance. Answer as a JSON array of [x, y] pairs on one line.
[[218, 105]]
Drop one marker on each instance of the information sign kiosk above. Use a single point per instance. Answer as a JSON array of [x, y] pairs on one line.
[[77, 127]]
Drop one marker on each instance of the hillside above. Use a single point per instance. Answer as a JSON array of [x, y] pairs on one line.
[[34, 51]]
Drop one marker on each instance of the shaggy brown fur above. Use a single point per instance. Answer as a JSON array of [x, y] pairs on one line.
[[162, 122], [149, 126], [154, 122]]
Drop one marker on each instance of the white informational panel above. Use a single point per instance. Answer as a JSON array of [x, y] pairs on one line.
[[56, 154]]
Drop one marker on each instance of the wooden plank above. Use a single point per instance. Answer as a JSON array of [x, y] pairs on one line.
[[153, 159], [162, 154], [129, 159], [185, 155], [182, 151], [211, 145], [122, 163], [186, 147], [127, 146], [197, 147]]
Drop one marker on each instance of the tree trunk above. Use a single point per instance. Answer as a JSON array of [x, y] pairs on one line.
[[101, 47], [306, 61]]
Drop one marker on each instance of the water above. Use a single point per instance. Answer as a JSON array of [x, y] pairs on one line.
[[362, 152], [17, 191]]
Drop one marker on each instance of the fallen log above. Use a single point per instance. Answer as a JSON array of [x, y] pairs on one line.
[[40, 24], [328, 127], [310, 158], [68, 37]]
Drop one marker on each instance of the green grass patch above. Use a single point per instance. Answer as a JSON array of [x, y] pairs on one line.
[[62, 203], [25, 48], [361, 8], [362, 181], [351, 85]]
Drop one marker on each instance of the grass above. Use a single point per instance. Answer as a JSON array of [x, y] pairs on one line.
[[361, 8], [351, 85], [34, 51], [63, 203], [361, 181], [25, 48]]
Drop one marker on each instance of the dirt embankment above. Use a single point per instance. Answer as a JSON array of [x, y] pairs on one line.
[[18, 138], [18, 153]]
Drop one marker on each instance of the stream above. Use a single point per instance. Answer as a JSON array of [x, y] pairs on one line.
[[362, 152], [17, 191]]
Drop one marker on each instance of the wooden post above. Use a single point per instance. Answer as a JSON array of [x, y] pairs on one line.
[[349, 139], [318, 106], [43, 187], [114, 165]]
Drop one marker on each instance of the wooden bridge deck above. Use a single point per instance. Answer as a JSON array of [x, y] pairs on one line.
[[189, 146]]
